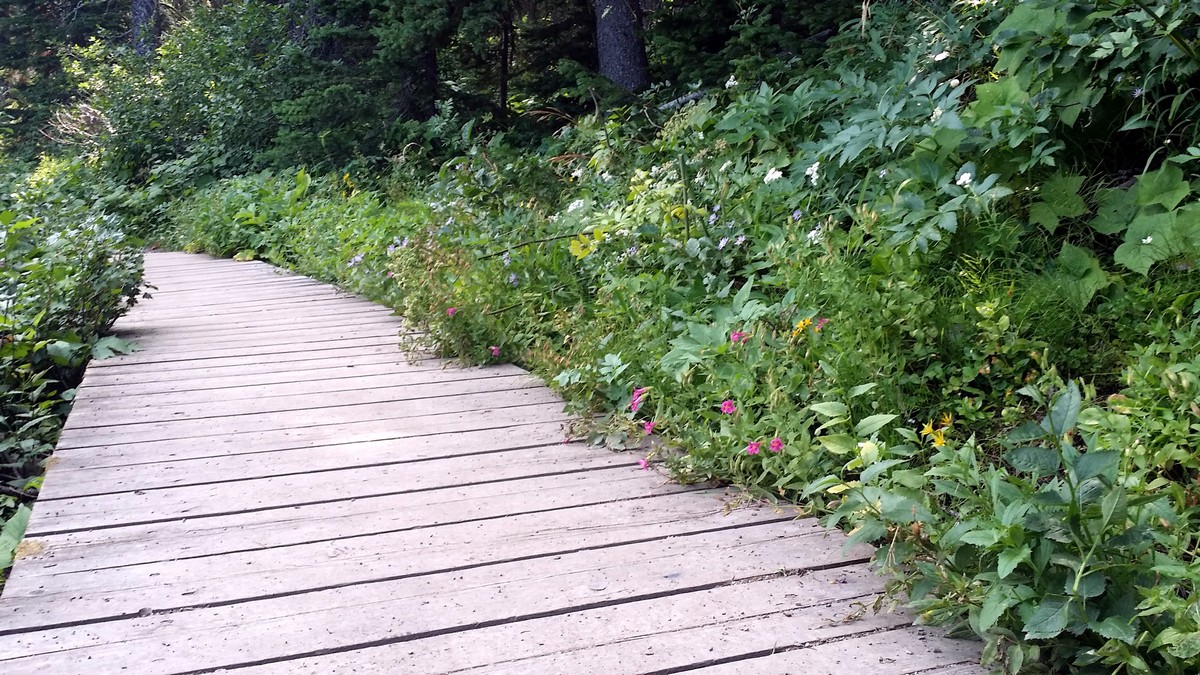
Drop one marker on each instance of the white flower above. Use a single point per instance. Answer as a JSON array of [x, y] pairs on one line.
[[721, 244], [813, 172], [575, 205], [772, 176], [731, 82], [964, 180], [814, 235], [724, 167], [1147, 240], [883, 173], [577, 173], [937, 112], [941, 56], [955, 82]]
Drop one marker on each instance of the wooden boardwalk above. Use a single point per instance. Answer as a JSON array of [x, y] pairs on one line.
[[270, 486]]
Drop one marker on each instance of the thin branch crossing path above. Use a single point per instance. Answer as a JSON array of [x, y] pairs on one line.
[[270, 486]]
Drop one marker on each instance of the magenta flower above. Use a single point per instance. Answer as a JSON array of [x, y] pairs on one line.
[[752, 447], [636, 401], [776, 444], [495, 350], [738, 336], [820, 323], [649, 427], [390, 274], [728, 406], [451, 311], [644, 463]]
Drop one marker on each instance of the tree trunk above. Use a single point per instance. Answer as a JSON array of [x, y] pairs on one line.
[[145, 26], [619, 46], [506, 50]]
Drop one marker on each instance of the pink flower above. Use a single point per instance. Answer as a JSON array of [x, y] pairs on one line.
[[390, 274], [820, 323], [636, 401], [738, 336], [728, 406], [776, 444], [495, 350], [649, 427], [451, 311], [752, 447], [644, 463]]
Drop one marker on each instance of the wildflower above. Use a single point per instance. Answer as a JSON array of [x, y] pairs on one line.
[[577, 173], [939, 438], [712, 219], [495, 349], [927, 429], [731, 82], [955, 82], [797, 215], [644, 463], [814, 236], [1148, 239], [772, 176], [636, 401], [776, 444], [738, 337], [507, 258], [575, 205], [404, 243], [721, 244], [941, 56], [451, 311], [947, 420], [964, 180], [813, 172], [632, 250], [821, 323], [801, 326], [937, 113], [1137, 93], [390, 274], [512, 278], [391, 248], [752, 447], [358, 258], [740, 240], [648, 427], [725, 167], [728, 406]]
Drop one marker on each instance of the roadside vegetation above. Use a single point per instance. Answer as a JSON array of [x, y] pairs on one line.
[[933, 276]]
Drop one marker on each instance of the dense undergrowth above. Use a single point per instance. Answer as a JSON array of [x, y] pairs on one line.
[[67, 272], [941, 289]]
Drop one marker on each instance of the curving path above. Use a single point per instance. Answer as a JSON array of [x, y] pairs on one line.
[[271, 486]]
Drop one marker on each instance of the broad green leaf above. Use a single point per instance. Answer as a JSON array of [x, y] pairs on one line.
[[109, 346], [1092, 464], [1048, 620], [838, 444], [830, 409], [1149, 239], [1061, 193], [1081, 276], [870, 425], [1042, 214], [1115, 210], [999, 598], [1187, 647], [1035, 460], [1064, 412], [1009, 559], [1165, 186], [861, 389], [983, 538], [10, 536], [1115, 628], [1090, 586]]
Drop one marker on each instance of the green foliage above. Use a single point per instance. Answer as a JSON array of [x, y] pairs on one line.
[[67, 273]]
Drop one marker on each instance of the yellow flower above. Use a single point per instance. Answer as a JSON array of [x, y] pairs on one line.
[[927, 429], [939, 438], [801, 325], [947, 420]]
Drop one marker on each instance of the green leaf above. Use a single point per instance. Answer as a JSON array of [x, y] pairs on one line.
[[1165, 186], [871, 424], [11, 535], [1048, 620], [861, 389], [1091, 585], [999, 598], [1061, 194], [1092, 464], [838, 444], [830, 409], [1009, 559], [1186, 647], [1065, 411], [1115, 628], [1042, 214], [982, 538], [1080, 275], [1035, 460], [109, 346], [1115, 210]]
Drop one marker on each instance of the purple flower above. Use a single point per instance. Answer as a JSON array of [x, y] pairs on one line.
[[776, 444], [495, 350], [512, 278], [451, 311], [728, 406], [752, 447], [797, 215]]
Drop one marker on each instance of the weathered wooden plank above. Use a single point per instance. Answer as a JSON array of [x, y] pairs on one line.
[[312, 364], [180, 366], [650, 635], [125, 590], [299, 306], [406, 609], [891, 652], [93, 512], [246, 352], [235, 388], [327, 521], [146, 412], [75, 437], [378, 427], [175, 343]]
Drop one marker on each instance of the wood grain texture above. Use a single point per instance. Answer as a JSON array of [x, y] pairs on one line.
[[269, 486]]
